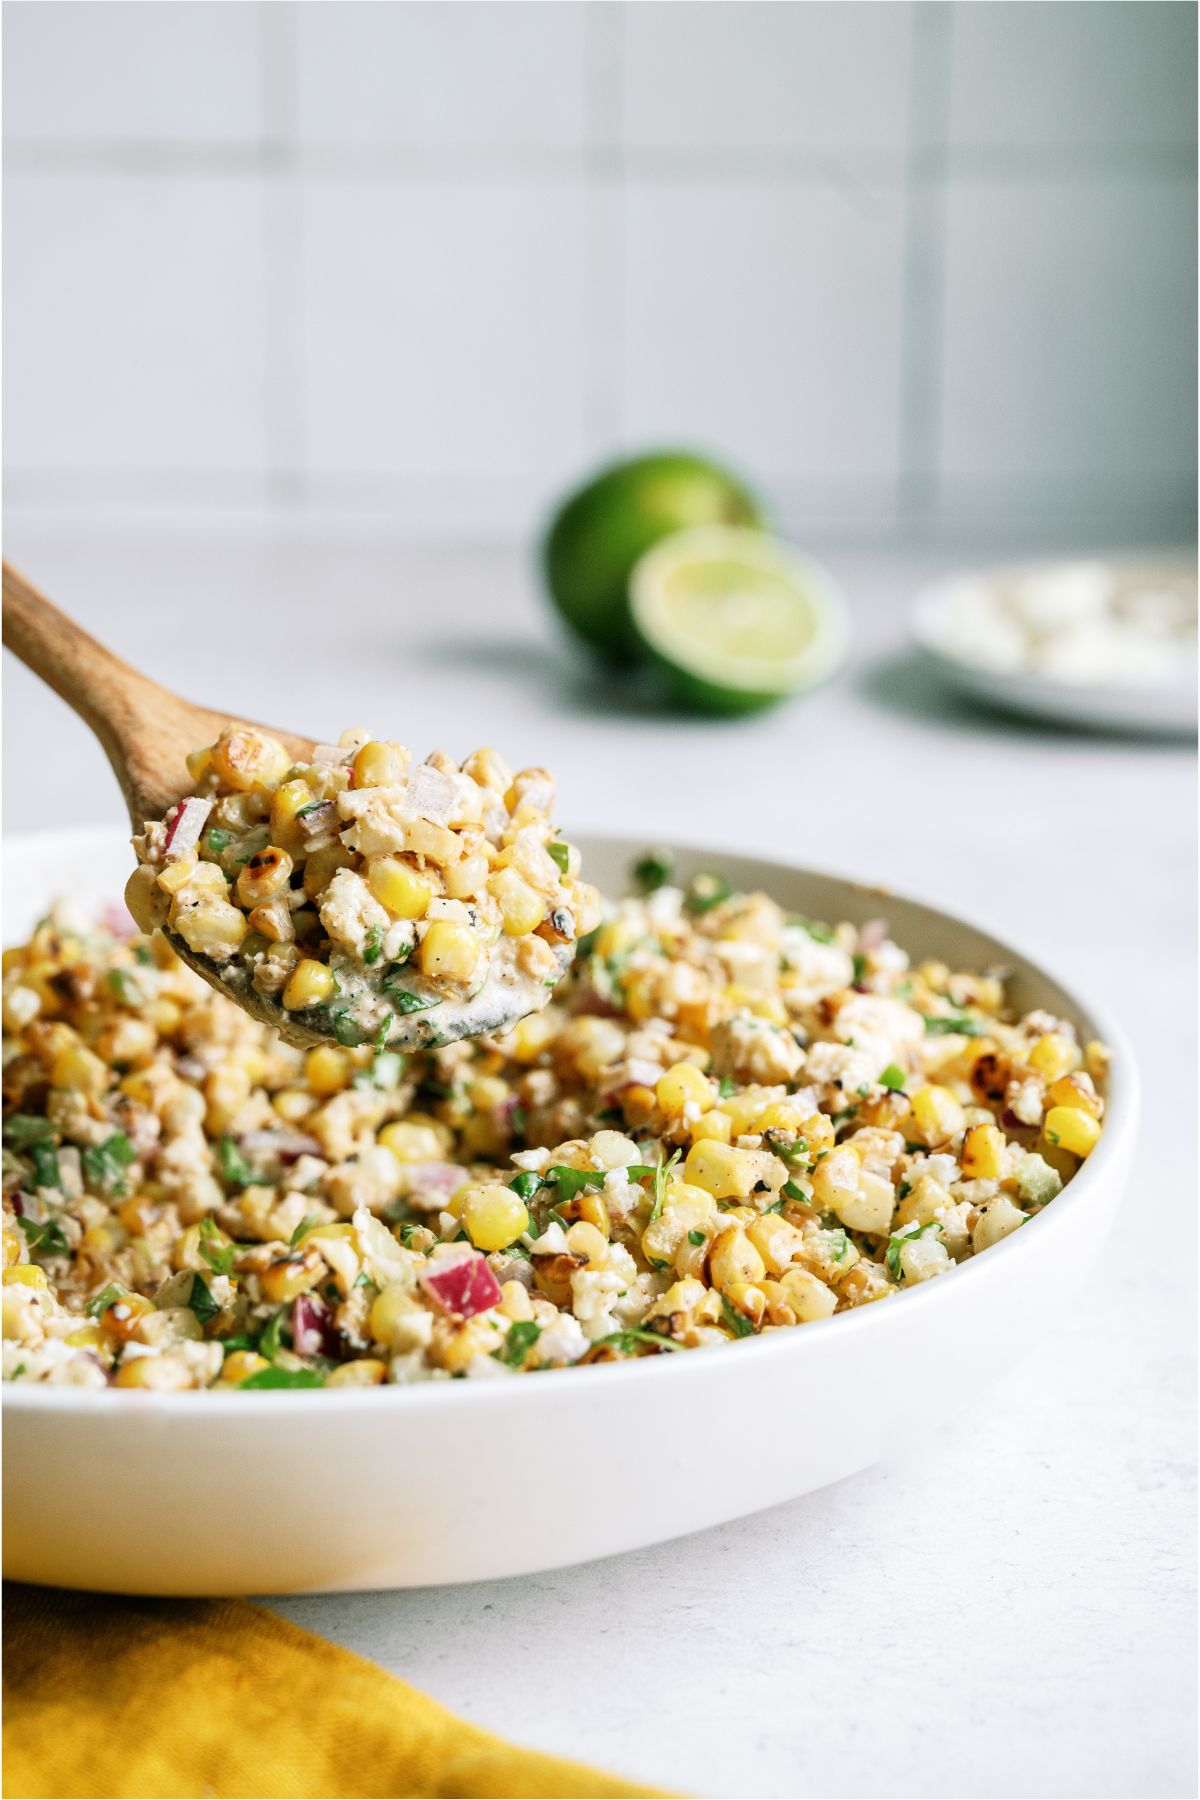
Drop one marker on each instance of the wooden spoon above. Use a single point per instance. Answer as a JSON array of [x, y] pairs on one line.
[[147, 732]]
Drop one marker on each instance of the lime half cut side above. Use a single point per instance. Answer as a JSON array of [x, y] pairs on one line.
[[736, 619]]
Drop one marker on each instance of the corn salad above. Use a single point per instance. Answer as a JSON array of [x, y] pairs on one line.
[[729, 1121], [362, 888]]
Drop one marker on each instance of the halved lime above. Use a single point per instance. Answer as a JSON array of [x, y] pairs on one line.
[[736, 619], [601, 529]]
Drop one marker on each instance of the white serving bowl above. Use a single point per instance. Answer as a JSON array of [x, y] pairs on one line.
[[213, 1493]]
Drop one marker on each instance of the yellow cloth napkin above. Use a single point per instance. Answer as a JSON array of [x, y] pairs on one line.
[[118, 1699]]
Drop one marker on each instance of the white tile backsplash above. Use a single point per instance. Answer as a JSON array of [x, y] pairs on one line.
[[1069, 75], [443, 327], [741, 74], [1069, 332], [429, 75], [765, 320], [134, 327], [129, 73], [918, 267]]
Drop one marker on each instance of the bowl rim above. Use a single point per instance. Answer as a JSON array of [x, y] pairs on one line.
[[1122, 1112]]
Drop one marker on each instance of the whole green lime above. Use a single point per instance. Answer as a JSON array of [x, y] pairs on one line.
[[601, 530]]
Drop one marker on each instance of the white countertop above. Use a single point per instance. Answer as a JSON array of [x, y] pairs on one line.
[[1007, 1609]]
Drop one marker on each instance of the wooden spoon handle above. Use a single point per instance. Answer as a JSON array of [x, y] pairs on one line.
[[145, 729]]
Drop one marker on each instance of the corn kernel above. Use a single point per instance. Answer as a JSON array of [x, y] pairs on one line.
[[748, 1299], [1073, 1130], [784, 1115], [162, 1372], [78, 1068], [239, 1365], [398, 1320], [397, 886], [681, 1086], [380, 765], [293, 1104], [210, 927], [448, 951], [328, 1070], [837, 1174], [85, 1337], [724, 1172], [292, 1276], [265, 875], [489, 770], [587, 1240], [365, 1371], [715, 1126], [808, 1297], [1053, 1055], [245, 758], [309, 984], [199, 762], [177, 874], [493, 1215], [122, 1318], [286, 802], [25, 1275], [734, 1259], [937, 1113], [1078, 1091], [520, 907], [515, 1303], [982, 1153]]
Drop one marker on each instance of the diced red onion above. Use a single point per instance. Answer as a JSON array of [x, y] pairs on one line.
[[464, 1288], [433, 1182], [285, 1146], [873, 934], [313, 1330], [117, 920], [186, 822], [18, 1203]]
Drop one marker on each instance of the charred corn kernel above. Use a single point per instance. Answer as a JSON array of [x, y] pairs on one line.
[[25, 1275], [1070, 1129], [983, 1153], [837, 1174], [244, 758], [177, 874], [515, 1303], [493, 1215], [321, 867], [210, 927], [998, 1219], [716, 1126], [328, 1070], [749, 1300], [733, 1258], [489, 769], [682, 1086], [293, 1104], [448, 951], [520, 907], [162, 1372], [207, 878], [80, 1069], [239, 1365], [1053, 1055], [398, 886], [199, 762], [937, 1113], [309, 984], [85, 1337], [587, 1240], [266, 874], [818, 1133], [380, 765], [775, 1240], [808, 1297], [1077, 1091], [292, 1276], [120, 1320], [364, 1371], [593, 1211], [724, 1172], [286, 802]]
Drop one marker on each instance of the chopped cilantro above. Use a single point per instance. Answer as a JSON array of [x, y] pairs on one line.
[[653, 870], [660, 1185], [122, 984], [706, 891], [904, 1190], [573, 1181], [373, 946], [284, 1378], [838, 1244], [201, 1301], [893, 1077], [141, 953], [346, 1030], [23, 1129], [695, 1237], [726, 1086], [108, 1296], [562, 855], [104, 1164], [626, 1341], [362, 1279], [216, 1252], [234, 1167], [737, 1322], [271, 1341], [860, 967], [958, 1026], [45, 1235], [817, 930], [525, 1185], [45, 1165], [306, 1224], [517, 1120], [862, 1090], [241, 1340], [217, 841], [907, 1234], [794, 1191], [407, 1002], [520, 1341], [408, 1230]]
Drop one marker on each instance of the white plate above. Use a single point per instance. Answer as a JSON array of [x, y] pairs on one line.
[[1165, 709], [210, 1493]]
